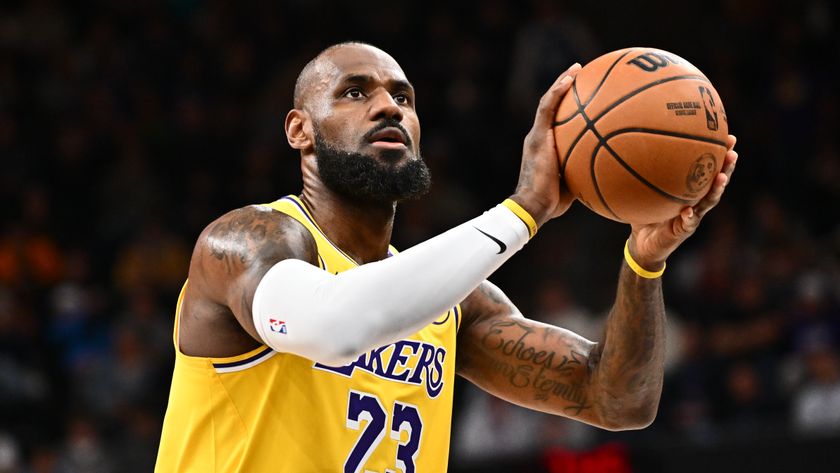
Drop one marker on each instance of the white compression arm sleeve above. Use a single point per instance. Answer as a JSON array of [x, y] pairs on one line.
[[333, 319]]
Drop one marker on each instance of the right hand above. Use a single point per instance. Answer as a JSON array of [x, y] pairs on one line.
[[540, 191]]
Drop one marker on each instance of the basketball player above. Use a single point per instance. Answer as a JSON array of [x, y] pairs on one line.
[[306, 343]]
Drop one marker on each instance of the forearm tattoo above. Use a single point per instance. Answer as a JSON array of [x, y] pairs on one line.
[[545, 373], [632, 361]]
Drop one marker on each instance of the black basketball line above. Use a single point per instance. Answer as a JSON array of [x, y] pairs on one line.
[[594, 155], [618, 102], [650, 131], [590, 125], [594, 92], [648, 86], [653, 131], [653, 187], [566, 158], [604, 79]]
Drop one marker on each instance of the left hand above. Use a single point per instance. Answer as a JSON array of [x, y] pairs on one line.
[[650, 245], [540, 191]]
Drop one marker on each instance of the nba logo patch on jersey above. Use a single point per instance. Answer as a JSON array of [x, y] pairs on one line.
[[278, 326]]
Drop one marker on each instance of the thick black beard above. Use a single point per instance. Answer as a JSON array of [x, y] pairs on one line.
[[361, 177]]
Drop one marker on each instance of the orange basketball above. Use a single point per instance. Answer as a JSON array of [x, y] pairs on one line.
[[640, 135]]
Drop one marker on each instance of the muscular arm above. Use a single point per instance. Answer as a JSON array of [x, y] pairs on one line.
[[258, 265], [614, 384], [230, 258]]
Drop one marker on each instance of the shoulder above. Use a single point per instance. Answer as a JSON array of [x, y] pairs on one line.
[[231, 256], [242, 245], [256, 233]]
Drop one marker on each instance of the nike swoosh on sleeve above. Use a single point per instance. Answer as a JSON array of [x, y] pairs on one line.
[[502, 246]]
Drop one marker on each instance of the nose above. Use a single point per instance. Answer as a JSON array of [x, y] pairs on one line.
[[384, 106]]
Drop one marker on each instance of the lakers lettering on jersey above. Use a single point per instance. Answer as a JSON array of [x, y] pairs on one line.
[[388, 411]]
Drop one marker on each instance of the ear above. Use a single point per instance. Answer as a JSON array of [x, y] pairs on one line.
[[298, 129]]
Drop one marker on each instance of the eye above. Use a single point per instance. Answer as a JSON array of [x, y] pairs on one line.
[[354, 93], [402, 99]]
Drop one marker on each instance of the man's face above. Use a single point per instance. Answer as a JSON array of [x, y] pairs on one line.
[[366, 128]]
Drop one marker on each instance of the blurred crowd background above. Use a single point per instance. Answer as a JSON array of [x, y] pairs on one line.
[[128, 125]]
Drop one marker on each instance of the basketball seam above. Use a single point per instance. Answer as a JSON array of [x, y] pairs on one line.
[[633, 93], [591, 126], [653, 131], [577, 138], [634, 173], [602, 141], [618, 102], [594, 92]]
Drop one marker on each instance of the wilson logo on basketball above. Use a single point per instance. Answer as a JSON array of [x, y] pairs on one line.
[[652, 61]]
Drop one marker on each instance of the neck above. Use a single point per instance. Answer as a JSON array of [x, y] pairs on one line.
[[360, 229]]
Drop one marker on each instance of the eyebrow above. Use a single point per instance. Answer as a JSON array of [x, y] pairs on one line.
[[362, 79]]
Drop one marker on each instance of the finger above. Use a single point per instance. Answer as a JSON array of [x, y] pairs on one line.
[[551, 99], [713, 197], [729, 161], [730, 141], [690, 216], [688, 221]]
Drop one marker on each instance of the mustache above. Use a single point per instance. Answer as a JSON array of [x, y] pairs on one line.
[[388, 123]]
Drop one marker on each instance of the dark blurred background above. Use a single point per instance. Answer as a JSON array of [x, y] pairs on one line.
[[128, 125]]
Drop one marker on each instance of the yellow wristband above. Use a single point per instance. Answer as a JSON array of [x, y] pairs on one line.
[[637, 268], [523, 215]]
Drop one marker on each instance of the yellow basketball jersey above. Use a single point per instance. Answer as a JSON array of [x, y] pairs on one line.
[[264, 411]]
